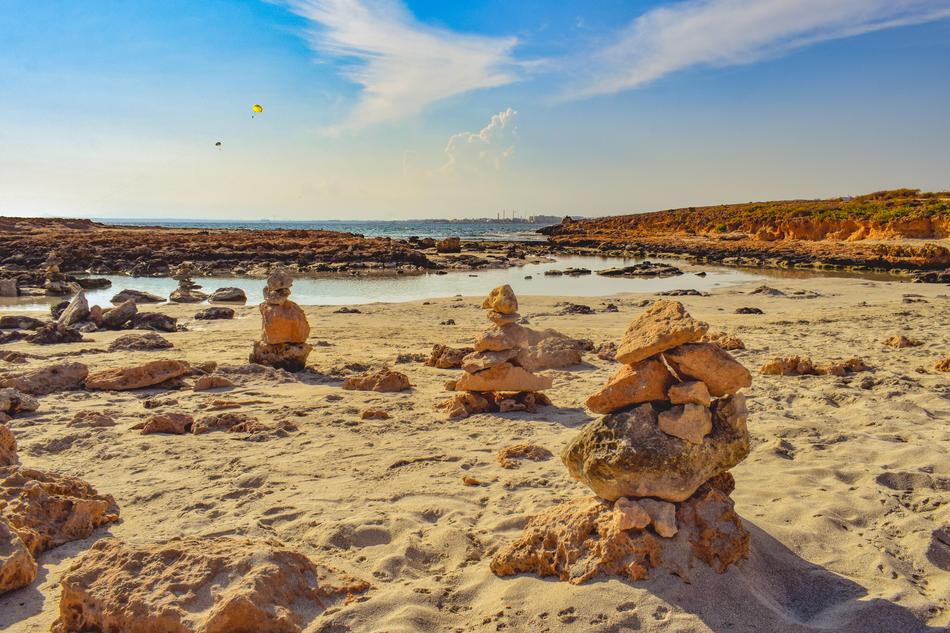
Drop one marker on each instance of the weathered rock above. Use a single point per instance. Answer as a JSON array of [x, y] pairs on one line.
[[288, 356], [137, 377], [214, 313], [689, 392], [789, 366], [20, 323], [203, 383], [190, 295], [114, 318], [662, 516], [154, 321], [137, 296], [17, 565], [645, 381], [374, 414], [726, 341], [502, 300], [171, 423], [663, 326], [46, 380], [13, 401], [502, 338], [503, 319], [504, 377], [511, 456], [445, 357], [140, 342], [284, 323], [465, 403], [76, 311], [722, 374], [449, 245], [943, 364], [224, 584], [91, 420], [690, 422], [54, 334], [607, 351], [478, 361], [627, 455], [8, 454], [48, 510], [384, 380], [553, 352], [228, 295], [900, 341], [8, 288], [630, 514]]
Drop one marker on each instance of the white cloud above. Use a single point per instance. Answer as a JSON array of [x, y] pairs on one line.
[[402, 64], [491, 147], [731, 32]]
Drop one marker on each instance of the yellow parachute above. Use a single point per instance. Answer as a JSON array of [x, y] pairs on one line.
[[258, 108]]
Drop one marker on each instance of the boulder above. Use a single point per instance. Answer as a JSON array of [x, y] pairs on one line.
[[77, 310], [288, 356], [690, 422], [154, 321], [647, 380], [504, 377], [115, 318], [707, 362], [20, 323], [8, 454], [384, 380], [689, 392], [49, 379], [663, 326], [216, 584], [445, 357], [137, 377], [502, 300], [91, 420], [13, 402], [140, 342], [17, 565], [627, 455], [187, 295], [284, 323], [214, 313], [502, 338], [228, 295], [449, 245], [137, 296]]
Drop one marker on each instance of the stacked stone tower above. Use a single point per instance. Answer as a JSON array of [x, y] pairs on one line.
[[284, 329], [56, 283], [658, 462], [187, 291]]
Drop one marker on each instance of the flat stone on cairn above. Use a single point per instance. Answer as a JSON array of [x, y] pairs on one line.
[[493, 378], [284, 329], [658, 462]]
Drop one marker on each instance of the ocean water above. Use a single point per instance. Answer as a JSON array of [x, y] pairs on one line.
[[392, 289], [395, 229]]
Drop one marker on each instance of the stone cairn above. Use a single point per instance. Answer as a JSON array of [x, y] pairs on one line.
[[56, 283], [658, 462], [493, 378], [285, 328], [187, 291]]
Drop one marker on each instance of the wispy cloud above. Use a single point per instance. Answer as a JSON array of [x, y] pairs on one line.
[[490, 147], [403, 65], [732, 32]]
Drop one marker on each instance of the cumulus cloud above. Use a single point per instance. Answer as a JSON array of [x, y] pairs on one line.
[[488, 148], [402, 64], [731, 32]]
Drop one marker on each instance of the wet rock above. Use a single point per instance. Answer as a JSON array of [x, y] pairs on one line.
[[504, 377], [49, 379], [136, 296], [384, 380], [663, 326], [643, 269], [20, 323], [137, 377], [445, 357], [708, 363], [214, 313], [449, 245], [228, 295], [115, 318], [747, 310], [8, 288], [643, 382], [224, 584], [140, 342], [154, 321], [55, 334]]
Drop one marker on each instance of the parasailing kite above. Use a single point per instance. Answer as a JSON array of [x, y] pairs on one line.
[[257, 109]]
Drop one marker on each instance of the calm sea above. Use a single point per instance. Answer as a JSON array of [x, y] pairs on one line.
[[396, 229]]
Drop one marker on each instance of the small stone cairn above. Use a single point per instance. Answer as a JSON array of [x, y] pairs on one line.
[[494, 379], [658, 462], [56, 283], [187, 291], [285, 328]]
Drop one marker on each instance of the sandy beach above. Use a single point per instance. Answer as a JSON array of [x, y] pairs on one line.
[[842, 513]]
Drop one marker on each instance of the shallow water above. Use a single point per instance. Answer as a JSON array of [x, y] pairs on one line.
[[393, 289]]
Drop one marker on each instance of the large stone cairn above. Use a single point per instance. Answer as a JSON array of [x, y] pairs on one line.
[[56, 283], [285, 328], [494, 378], [658, 461], [187, 291]]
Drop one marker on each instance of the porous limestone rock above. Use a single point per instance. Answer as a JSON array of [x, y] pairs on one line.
[[17, 565], [8, 454], [943, 364], [502, 338], [445, 357], [288, 356], [137, 377], [645, 381], [707, 362], [171, 423], [803, 366], [728, 342], [662, 515], [49, 379], [690, 422], [91, 420], [479, 361], [664, 325], [499, 318], [502, 300], [203, 383], [223, 584], [283, 323], [900, 341], [504, 377], [13, 401], [465, 403], [384, 380], [689, 392], [630, 514], [627, 455], [511, 456], [552, 352]]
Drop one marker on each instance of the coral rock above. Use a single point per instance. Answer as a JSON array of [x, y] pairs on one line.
[[663, 326], [502, 300], [647, 380], [725, 341], [222, 584], [137, 377], [690, 392], [504, 377], [690, 422], [374, 414], [466, 403], [384, 380], [943, 364], [284, 323], [17, 565], [708, 363], [627, 455], [50, 379]]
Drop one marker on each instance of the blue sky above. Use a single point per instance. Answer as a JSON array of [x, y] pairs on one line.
[[388, 109]]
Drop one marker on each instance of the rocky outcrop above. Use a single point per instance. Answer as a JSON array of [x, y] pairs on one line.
[[283, 343], [224, 584], [49, 379], [137, 377]]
